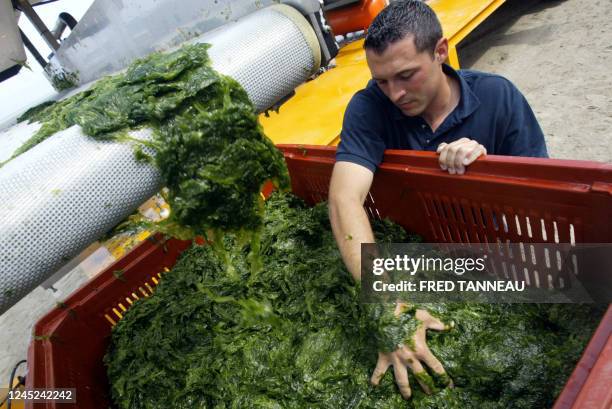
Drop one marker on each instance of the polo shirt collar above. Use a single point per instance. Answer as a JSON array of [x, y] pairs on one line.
[[468, 101]]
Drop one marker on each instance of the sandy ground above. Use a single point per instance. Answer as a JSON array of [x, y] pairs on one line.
[[559, 53]]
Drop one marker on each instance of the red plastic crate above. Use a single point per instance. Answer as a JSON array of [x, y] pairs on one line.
[[539, 201]]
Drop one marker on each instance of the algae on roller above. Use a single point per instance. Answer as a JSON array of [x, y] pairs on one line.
[[209, 146]]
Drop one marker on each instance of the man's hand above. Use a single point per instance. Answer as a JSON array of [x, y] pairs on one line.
[[455, 156], [411, 356]]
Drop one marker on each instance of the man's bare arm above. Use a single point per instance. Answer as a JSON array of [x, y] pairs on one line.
[[350, 183]]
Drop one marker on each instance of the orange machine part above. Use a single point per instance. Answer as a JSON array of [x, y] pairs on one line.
[[354, 18]]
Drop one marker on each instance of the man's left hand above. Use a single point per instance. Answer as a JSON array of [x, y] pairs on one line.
[[455, 156], [412, 354]]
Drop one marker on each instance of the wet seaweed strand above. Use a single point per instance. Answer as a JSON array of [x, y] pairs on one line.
[[296, 336]]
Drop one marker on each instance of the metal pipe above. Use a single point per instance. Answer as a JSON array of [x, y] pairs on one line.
[[67, 191], [26, 41], [59, 28], [63, 20], [47, 35]]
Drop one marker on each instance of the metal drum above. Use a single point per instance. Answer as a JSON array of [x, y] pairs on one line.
[[64, 193]]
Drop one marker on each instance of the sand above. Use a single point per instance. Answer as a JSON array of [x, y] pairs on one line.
[[559, 54]]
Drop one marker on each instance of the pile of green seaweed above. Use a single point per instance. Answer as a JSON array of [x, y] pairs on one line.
[[294, 335]]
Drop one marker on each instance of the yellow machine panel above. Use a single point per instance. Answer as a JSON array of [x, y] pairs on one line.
[[314, 115], [459, 18]]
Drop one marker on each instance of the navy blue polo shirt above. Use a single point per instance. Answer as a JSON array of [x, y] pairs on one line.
[[491, 110]]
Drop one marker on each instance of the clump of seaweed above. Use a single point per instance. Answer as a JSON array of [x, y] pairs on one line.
[[295, 335], [207, 141]]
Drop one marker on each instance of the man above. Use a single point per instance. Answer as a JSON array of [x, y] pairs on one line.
[[415, 101]]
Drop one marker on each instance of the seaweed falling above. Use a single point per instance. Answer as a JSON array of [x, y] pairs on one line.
[[296, 336], [207, 142]]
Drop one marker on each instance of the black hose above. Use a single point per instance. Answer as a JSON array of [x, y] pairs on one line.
[[11, 379], [68, 20]]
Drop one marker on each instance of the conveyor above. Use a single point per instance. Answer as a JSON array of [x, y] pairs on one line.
[[70, 189]]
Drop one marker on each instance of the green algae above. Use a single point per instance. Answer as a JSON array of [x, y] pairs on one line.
[[62, 81], [425, 380], [390, 330], [296, 336], [34, 114]]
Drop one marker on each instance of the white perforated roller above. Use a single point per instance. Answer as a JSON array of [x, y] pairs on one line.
[[66, 192], [269, 53]]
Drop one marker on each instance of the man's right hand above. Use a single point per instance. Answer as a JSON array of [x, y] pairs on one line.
[[349, 185], [411, 355], [456, 156], [348, 188]]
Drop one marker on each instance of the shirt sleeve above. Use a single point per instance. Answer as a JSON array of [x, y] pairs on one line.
[[361, 137], [523, 135]]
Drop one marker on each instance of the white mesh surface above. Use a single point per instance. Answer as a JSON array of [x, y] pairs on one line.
[[265, 52], [67, 191], [60, 197]]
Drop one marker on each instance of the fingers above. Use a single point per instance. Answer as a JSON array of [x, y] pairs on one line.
[[400, 308], [399, 370], [430, 321], [404, 358], [382, 365], [454, 159], [453, 149], [443, 152], [455, 156], [441, 146], [475, 154], [430, 360], [425, 355], [425, 381], [422, 351], [410, 359], [401, 379], [436, 324]]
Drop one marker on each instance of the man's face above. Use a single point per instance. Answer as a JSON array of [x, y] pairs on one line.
[[410, 79]]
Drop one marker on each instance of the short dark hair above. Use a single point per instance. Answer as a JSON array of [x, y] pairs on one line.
[[402, 18]]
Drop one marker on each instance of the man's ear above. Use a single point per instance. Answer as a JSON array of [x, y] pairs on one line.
[[441, 50]]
